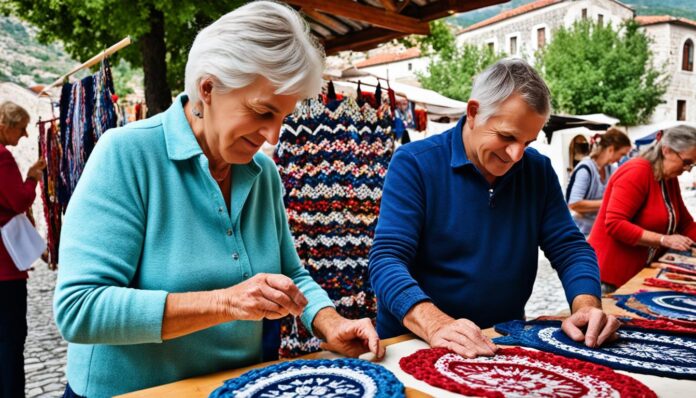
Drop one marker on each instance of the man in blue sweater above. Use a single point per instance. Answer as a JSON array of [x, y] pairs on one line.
[[462, 217]]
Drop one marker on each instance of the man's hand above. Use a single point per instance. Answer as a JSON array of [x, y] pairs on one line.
[[599, 327], [441, 330], [348, 337], [464, 338]]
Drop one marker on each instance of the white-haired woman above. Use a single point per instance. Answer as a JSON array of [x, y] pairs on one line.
[[176, 245], [643, 211]]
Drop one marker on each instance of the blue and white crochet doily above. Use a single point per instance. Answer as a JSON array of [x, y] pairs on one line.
[[667, 304], [635, 351], [321, 378]]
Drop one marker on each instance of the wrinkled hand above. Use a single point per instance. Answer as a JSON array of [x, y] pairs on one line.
[[271, 296], [677, 242], [464, 338], [353, 338], [600, 327], [36, 170]]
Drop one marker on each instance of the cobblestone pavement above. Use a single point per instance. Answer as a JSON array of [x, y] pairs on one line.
[[45, 350]]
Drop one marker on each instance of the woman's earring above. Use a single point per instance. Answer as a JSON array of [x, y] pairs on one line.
[[197, 113]]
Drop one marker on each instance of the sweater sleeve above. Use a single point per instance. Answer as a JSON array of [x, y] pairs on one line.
[[564, 245], [686, 226], [581, 184], [17, 194], [291, 265], [401, 216], [101, 244], [628, 194]]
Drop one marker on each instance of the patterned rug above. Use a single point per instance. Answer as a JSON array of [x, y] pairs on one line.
[[670, 305], [635, 351], [344, 378], [516, 372]]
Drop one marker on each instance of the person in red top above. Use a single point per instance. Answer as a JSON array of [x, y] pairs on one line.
[[642, 212], [16, 197]]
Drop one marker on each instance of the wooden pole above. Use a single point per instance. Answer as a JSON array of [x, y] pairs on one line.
[[91, 62]]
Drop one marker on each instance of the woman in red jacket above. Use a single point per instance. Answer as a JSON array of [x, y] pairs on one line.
[[16, 197], [642, 212]]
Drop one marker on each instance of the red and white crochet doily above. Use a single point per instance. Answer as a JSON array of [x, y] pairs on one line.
[[516, 372]]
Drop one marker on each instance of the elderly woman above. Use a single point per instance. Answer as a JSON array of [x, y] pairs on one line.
[[643, 212], [16, 197], [589, 179], [176, 244]]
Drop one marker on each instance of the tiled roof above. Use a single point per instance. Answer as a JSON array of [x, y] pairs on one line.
[[511, 13], [386, 58], [656, 19]]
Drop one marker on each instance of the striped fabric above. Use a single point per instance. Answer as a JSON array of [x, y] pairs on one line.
[[332, 160]]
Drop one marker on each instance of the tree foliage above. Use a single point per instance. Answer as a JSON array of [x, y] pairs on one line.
[[87, 27], [594, 68], [452, 68]]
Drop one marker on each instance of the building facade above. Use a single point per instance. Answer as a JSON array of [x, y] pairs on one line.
[[523, 30]]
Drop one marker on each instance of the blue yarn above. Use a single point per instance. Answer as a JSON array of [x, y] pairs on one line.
[[320, 377], [667, 304], [635, 351]]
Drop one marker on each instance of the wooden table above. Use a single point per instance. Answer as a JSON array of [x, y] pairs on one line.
[[202, 386]]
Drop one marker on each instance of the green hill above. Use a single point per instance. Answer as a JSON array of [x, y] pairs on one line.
[[677, 8]]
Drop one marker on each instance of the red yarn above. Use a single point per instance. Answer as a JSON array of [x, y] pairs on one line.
[[527, 378], [677, 287], [663, 325]]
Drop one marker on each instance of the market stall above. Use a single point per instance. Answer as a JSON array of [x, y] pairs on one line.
[[403, 346]]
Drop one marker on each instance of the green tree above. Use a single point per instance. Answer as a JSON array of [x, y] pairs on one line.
[[162, 30], [451, 73], [593, 68]]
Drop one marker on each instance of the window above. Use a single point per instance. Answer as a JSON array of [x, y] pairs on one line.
[[410, 66], [688, 56], [584, 13], [513, 45], [681, 109], [600, 19], [541, 37], [491, 47]]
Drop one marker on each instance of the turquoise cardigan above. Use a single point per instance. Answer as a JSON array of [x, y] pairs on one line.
[[146, 219]]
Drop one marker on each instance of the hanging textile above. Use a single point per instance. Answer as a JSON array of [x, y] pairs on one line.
[[51, 151], [345, 377], [516, 372], [635, 351], [332, 161], [671, 305], [86, 112]]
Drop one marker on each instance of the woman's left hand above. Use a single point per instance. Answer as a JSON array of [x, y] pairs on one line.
[[348, 337]]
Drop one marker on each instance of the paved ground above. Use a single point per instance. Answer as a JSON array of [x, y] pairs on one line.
[[46, 351]]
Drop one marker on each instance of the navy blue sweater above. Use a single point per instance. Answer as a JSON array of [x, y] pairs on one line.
[[446, 235]]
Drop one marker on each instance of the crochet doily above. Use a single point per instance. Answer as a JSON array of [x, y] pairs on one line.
[[665, 304], [635, 351], [323, 378], [516, 372]]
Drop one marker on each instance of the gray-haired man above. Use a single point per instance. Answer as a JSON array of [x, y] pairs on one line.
[[463, 215]]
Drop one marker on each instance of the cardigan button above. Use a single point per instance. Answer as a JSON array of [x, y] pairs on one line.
[[235, 256], [229, 231]]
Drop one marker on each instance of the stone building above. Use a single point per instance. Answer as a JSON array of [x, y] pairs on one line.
[[523, 30], [673, 46]]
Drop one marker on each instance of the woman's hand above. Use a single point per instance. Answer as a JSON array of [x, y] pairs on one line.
[[36, 170], [271, 296], [676, 242], [348, 337]]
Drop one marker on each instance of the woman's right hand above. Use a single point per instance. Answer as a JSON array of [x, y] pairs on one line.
[[676, 242], [271, 296], [36, 170]]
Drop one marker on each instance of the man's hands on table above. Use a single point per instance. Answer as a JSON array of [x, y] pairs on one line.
[[587, 314], [440, 330]]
